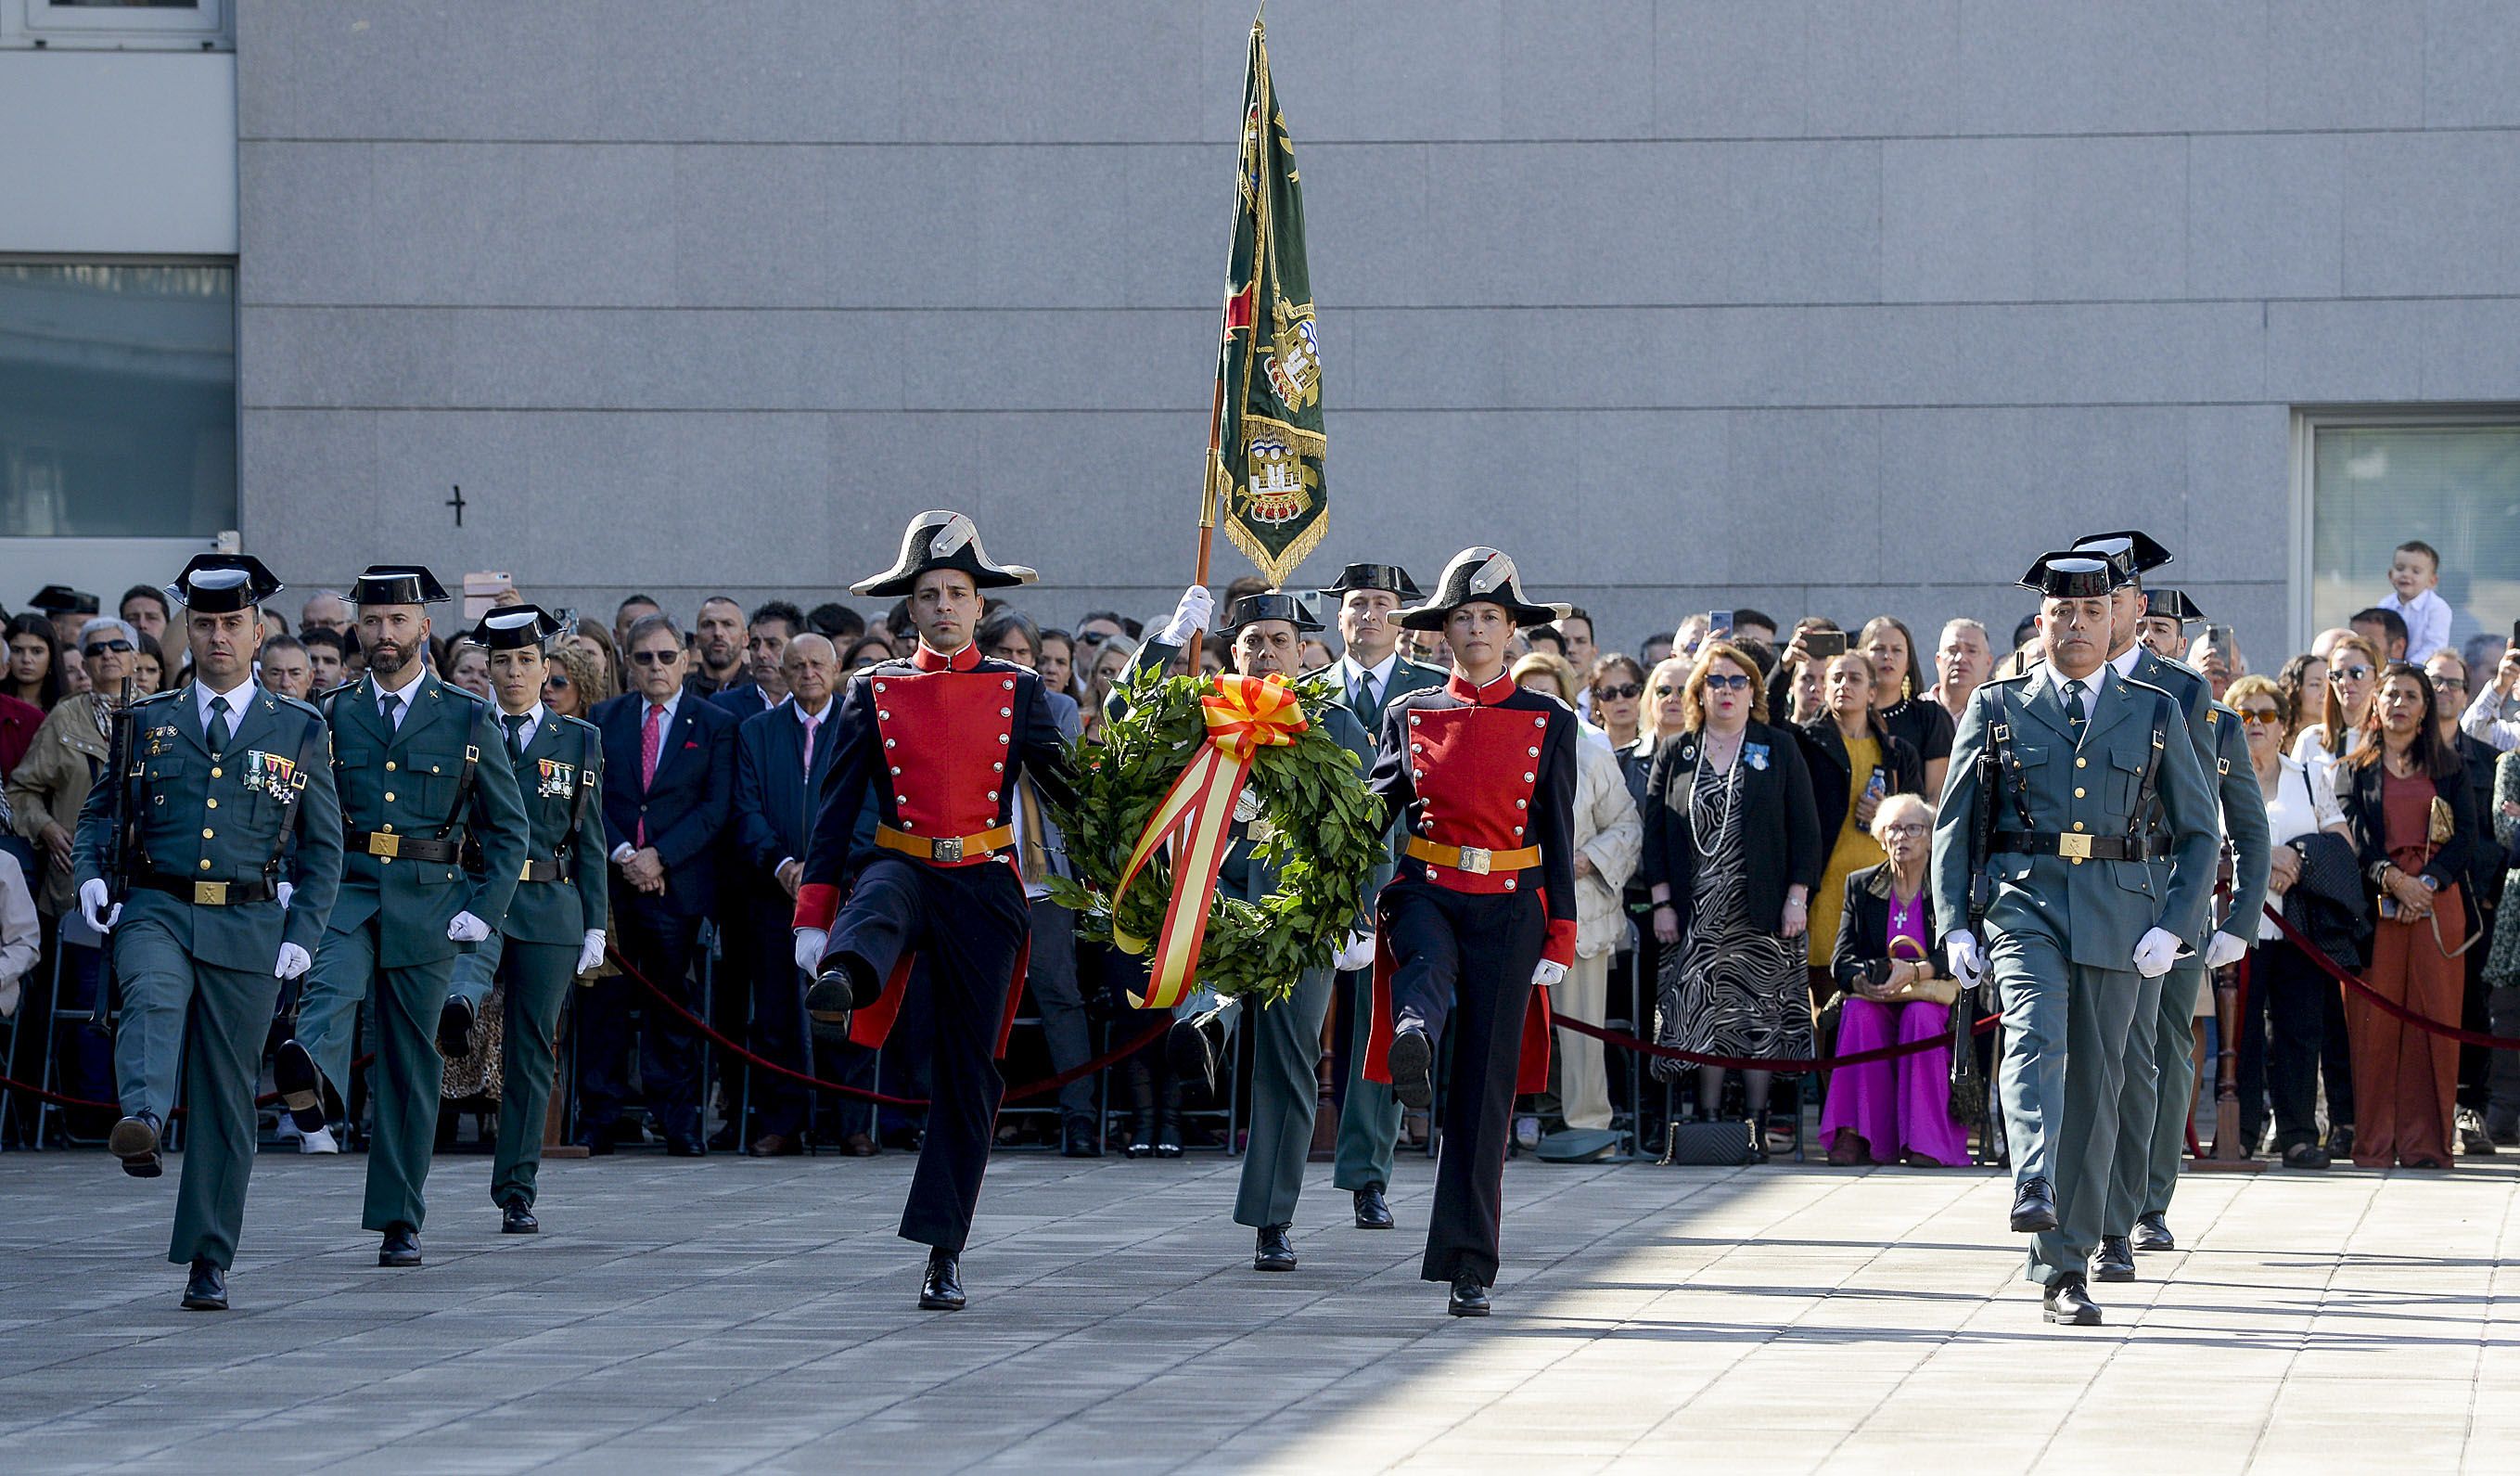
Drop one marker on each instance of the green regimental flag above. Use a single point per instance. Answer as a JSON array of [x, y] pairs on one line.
[[1264, 478]]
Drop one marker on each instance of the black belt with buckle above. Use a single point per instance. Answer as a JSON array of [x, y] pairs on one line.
[[409, 848], [557, 869], [2075, 846], [207, 894]]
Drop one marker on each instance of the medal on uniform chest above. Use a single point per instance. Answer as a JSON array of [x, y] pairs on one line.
[[271, 774], [554, 779]]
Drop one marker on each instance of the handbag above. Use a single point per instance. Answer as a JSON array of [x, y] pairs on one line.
[[1708, 1145], [2441, 823]]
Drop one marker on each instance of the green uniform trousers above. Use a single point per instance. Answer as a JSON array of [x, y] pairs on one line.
[[537, 976], [1369, 1117], [403, 1092], [2066, 1032], [2160, 1089], [1286, 1056], [220, 1018]]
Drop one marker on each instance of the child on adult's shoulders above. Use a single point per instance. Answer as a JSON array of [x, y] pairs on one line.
[[2414, 572]]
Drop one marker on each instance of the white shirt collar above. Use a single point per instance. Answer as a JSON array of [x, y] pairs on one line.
[[1350, 672], [419, 674], [673, 701], [2124, 665], [239, 698], [534, 718], [824, 716]]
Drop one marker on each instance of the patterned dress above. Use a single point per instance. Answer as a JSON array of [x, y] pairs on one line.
[[2502, 962], [1730, 987]]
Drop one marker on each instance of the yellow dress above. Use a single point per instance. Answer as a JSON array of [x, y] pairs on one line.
[[1855, 849]]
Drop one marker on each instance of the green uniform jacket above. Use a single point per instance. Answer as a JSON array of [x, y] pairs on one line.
[[565, 754], [404, 780], [2096, 911], [2244, 821], [226, 821], [2188, 686]]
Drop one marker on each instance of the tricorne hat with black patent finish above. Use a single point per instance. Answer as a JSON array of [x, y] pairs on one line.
[[509, 626], [2072, 574], [397, 585], [1269, 605], [61, 599], [1390, 578], [1475, 576], [218, 583], [2132, 554], [2171, 605], [942, 539]]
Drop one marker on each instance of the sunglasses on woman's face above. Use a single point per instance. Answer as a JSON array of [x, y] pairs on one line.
[[2259, 717], [2351, 674], [99, 648], [1666, 692], [560, 682], [1733, 683], [1620, 692]]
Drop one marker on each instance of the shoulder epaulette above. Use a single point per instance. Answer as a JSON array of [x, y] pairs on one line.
[[166, 696]]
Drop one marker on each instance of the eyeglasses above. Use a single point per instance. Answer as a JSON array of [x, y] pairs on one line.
[[99, 648], [2351, 673], [1905, 827], [1733, 683], [1620, 692], [2261, 718], [2450, 683], [1661, 690], [654, 658]]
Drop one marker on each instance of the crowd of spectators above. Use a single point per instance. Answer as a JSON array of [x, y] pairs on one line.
[[1754, 821]]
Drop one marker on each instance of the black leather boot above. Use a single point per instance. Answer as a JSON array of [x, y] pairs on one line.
[[941, 1288], [2069, 1301], [207, 1289], [1273, 1252], [1141, 1106], [2115, 1260], [1470, 1297]]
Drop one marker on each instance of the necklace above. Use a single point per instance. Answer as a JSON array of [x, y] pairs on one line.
[[1707, 845]]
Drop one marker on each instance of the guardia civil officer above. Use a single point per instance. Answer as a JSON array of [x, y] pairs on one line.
[[1479, 919], [1268, 634], [420, 770], [2161, 1071], [223, 775], [554, 928], [935, 742], [1375, 674], [2069, 763]]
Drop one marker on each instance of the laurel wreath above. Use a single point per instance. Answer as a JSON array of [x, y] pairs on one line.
[[1324, 827]]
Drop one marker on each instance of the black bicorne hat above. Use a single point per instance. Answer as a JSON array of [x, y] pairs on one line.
[[61, 599], [2132, 553], [397, 585], [1387, 576], [2072, 575], [219, 583], [942, 539], [1479, 575], [2171, 605], [1274, 605], [509, 626]]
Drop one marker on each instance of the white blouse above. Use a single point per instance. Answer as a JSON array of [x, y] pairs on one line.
[[2303, 804]]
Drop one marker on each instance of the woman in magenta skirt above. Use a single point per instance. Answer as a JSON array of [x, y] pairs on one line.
[[1899, 987]]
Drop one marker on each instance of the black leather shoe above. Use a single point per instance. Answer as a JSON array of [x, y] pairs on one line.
[[455, 1027], [302, 1085], [134, 1141], [679, 1146], [1077, 1139], [2340, 1141], [206, 1290], [1470, 1297], [1372, 1210], [1413, 1064], [1271, 1253], [2034, 1207], [515, 1219], [2069, 1301], [845, 986], [2152, 1234], [401, 1247], [1193, 1046], [2306, 1155], [941, 1289], [2115, 1260]]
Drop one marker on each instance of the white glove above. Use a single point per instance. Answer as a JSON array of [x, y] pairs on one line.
[[92, 905], [592, 954], [1547, 974], [292, 962], [1355, 954], [2154, 956], [1189, 617], [1968, 961], [810, 943], [463, 927], [2223, 950], [284, 892]]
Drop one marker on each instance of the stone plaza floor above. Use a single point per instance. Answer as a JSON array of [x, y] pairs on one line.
[[739, 1315]]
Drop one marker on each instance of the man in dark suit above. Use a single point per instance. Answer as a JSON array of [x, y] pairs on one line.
[[668, 789], [741, 972], [765, 646], [781, 757]]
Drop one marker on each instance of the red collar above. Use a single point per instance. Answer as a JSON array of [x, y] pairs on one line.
[[927, 658], [1488, 696]]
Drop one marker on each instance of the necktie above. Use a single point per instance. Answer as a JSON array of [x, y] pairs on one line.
[[652, 738], [516, 722], [811, 723], [1364, 695], [2075, 716], [219, 729], [390, 709]]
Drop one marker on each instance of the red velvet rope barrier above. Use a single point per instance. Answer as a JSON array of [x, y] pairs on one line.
[[2385, 1005], [1045, 1084], [11, 1084], [1789, 1064]]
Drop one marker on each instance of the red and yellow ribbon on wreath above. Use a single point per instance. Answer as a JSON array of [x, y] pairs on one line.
[[1245, 715]]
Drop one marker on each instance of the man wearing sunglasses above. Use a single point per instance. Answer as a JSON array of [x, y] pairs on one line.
[[213, 909], [421, 769]]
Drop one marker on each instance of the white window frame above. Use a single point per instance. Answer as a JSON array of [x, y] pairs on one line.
[[2307, 423], [210, 26]]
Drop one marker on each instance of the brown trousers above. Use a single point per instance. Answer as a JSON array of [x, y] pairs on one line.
[[2405, 1077]]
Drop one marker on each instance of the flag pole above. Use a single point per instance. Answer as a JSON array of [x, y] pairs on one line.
[[1207, 478]]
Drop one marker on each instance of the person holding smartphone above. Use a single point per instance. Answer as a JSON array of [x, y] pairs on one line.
[[2484, 718]]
